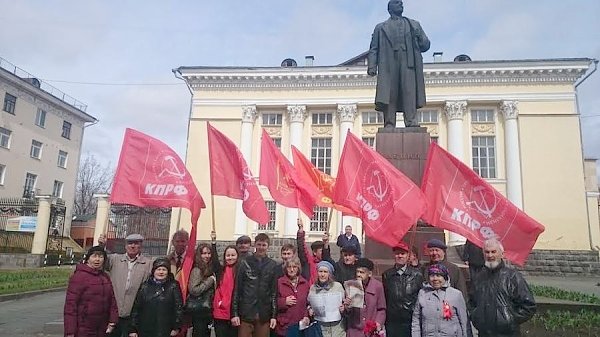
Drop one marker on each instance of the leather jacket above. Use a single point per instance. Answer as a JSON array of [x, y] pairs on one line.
[[344, 272], [158, 309], [401, 292], [501, 302], [255, 290], [203, 290]]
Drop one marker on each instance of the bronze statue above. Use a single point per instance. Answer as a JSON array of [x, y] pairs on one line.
[[395, 53]]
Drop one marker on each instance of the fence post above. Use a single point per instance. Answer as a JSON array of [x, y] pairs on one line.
[[101, 215], [40, 236]]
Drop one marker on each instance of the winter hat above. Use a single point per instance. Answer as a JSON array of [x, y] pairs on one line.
[[161, 262], [438, 269], [436, 243], [95, 249], [401, 246], [326, 265]]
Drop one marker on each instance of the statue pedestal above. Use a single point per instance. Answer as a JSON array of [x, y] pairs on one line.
[[406, 149]]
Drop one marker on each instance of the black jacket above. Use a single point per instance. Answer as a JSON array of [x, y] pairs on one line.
[[255, 290], [344, 272], [158, 309], [401, 292], [474, 255], [501, 302]]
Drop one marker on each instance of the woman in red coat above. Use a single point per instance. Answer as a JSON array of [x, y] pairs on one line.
[[90, 305], [292, 294]]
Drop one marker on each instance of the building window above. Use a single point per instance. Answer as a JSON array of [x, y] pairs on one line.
[[66, 130], [5, 138], [372, 117], [272, 119], [484, 156], [325, 118], [36, 149], [10, 102], [40, 118], [369, 141], [482, 115], [277, 142], [29, 188], [270, 226], [62, 159], [427, 116], [57, 189], [318, 223], [2, 174], [320, 154]]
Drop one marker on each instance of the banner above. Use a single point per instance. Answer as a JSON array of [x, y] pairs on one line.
[[461, 201]]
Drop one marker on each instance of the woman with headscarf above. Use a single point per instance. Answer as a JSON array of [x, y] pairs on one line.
[[439, 307], [326, 301], [158, 307], [90, 305], [202, 291]]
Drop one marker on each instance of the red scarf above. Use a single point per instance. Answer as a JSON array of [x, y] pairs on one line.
[[223, 295]]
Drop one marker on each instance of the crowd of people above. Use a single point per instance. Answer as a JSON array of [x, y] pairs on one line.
[[246, 293]]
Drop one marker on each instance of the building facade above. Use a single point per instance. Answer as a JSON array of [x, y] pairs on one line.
[[515, 122], [41, 131]]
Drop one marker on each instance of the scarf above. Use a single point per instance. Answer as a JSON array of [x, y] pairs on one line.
[[223, 295]]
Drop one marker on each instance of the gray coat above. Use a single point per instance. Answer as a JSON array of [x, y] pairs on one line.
[[396, 58], [427, 318]]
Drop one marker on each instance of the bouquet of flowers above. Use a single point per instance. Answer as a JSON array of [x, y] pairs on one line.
[[371, 329]]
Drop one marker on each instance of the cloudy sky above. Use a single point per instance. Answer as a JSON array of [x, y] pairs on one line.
[[117, 56]]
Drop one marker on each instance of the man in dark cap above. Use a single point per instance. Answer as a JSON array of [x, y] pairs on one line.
[[243, 244], [437, 255], [374, 306], [401, 284], [346, 268], [395, 57]]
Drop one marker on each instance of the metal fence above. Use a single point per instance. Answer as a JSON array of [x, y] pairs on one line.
[[11, 210], [151, 222]]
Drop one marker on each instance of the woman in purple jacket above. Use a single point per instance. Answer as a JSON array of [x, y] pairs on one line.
[[292, 294], [90, 305]]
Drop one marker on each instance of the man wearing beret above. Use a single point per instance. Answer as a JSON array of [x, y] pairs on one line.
[[401, 285], [127, 272], [437, 255], [374, 306]]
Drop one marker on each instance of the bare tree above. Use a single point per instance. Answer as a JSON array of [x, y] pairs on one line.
[[92, 178]]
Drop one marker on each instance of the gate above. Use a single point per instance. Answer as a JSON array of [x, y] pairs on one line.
[[56, 226], [151, 222], [12, 239]]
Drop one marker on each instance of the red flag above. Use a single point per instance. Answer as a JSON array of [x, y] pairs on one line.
[[151, 174], [230, 176], [279, 176], [462, 202], [324, 183], [387, 201]]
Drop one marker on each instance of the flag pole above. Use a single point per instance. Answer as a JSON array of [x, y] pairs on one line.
[[212, 210], [329, 220]]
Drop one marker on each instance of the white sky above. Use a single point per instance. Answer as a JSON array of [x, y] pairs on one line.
[[116, 43]]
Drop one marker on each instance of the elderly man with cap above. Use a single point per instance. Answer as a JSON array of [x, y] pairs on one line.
[[346, 268], [374, 306], [437, 255], [401, 284], [127, 272]]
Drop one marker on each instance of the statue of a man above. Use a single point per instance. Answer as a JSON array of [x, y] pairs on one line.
[[395, 53]]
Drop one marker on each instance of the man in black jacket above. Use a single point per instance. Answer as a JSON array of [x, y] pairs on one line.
[[346, 268], [401, 285], [253, 306], [501, 300]]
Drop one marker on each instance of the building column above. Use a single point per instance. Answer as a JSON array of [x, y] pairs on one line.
[[102, 210], [296, 114], [249, 115], [346, 115], [514, 191], [455, 111], [40, 237]]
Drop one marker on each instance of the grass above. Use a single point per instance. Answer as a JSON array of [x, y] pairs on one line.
[[18, 281], [560, 294], [583, 323]]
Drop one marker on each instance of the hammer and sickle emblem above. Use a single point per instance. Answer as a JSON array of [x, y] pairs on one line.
[[169, 168], [379, 185], [483, 206]]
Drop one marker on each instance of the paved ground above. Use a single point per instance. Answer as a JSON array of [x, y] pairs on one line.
[[27, 317], [586, 285]]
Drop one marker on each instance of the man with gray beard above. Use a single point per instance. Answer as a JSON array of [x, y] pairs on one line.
[[501, 299]]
